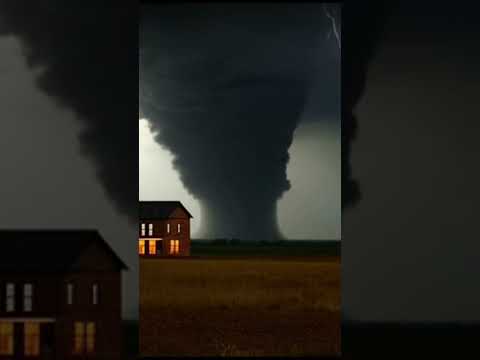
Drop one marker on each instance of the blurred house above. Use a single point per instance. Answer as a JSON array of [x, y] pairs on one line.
[[60, 295], [164, 229]]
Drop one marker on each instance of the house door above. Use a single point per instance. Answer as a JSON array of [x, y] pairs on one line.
[[18, 341], [47, 341]]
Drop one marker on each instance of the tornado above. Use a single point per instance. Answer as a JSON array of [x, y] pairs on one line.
[[223, 88]]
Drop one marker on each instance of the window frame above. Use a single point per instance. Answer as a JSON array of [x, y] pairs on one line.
[[31, 339], [7, 338], [84, 338], [141, 247], [90, 337], [95, 293], [174, 247], [70, 292], [10, 297], [28, 297], [78, 338], [152, 244]]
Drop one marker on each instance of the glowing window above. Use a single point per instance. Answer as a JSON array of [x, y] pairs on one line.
[[70, 291], [10, 300], [152, 249], [168, 227], [141, 247], [178, 228], [90, 337], [27, 297], [95, 294], [6, 338], [78, 337], [32, 339], [150, 229], [143, 230], [174, 246]]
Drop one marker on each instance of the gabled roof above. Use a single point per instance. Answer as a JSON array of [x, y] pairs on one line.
[[48, 250], [160, 209]]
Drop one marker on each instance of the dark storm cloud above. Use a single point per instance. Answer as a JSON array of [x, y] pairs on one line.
[[362, 29], [86, 60], [224, 87]]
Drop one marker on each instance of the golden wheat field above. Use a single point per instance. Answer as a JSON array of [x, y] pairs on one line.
[[240, 306]]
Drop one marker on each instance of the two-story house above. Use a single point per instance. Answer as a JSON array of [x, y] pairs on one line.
[[164, 229], [60, 295]]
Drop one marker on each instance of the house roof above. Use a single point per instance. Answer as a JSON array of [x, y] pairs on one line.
[[48, 250], [160, 209]]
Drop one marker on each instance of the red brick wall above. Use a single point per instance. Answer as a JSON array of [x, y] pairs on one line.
[[45, 300], [106, 314], [160, 231], [50, 301]]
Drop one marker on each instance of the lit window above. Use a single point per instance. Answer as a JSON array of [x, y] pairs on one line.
[[70, 290], [84, 338], [152, 247], [168, 228], [32, 339], [150, 229], [174, 246], [95, 294], [27, 297], [178, 228], [6, 338], [10, 301], [141, 247], [143, 229], [90, 337], [78, 337]]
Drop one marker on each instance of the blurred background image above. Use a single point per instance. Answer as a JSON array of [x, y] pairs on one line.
[[68, 149]]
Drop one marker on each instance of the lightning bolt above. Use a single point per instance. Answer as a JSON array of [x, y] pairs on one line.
[[334, 25]]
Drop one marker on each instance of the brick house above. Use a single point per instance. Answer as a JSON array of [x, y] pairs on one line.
[[60, 295], [164, 229]]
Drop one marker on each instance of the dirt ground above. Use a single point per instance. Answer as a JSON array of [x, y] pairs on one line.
[[240, 307]]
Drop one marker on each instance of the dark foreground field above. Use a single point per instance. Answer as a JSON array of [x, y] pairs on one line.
[[130, 339], [284, 306], [233, 247]]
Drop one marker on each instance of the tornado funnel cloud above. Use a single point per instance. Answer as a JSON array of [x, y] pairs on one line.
[[224, 92]]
